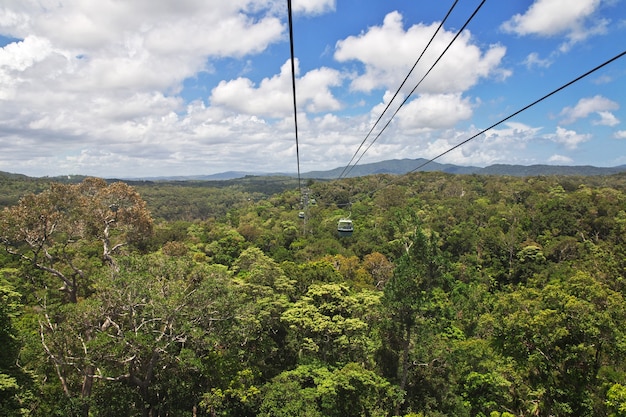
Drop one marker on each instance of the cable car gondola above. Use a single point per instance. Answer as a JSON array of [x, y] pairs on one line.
[[345, 227]]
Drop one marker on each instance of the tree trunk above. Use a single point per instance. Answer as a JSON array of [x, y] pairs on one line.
[[86, 390], [404, 370], [405, 358]]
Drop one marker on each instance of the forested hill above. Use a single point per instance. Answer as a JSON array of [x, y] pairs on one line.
[[394, 166], [404, 166], [455, 295]]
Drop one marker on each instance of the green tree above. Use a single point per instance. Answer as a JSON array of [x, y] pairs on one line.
[[13, 389], [331, 324], [561, 336], [315, 391], [616, 400], [145, 327], [55, 231], [265, 292]]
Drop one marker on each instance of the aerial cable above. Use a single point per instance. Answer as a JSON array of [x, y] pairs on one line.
[[418, 84], [591, 71], [400, 88], [616, 57], [293, 87]]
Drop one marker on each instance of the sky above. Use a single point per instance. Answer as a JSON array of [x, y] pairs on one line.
[[152, 88]]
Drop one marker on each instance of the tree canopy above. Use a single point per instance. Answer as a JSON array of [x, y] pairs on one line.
[[461, 295]]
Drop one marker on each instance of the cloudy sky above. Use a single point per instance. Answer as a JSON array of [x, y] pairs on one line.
[[143, 88]]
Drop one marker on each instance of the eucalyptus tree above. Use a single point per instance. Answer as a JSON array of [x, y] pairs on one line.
[[63, 236], [154, 329], [59, 230]]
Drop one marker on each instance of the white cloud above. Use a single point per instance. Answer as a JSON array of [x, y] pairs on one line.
[[620, 134], [101, 80], [568, 138], [603, 79], [460, 68], [17, 58], [144, 87], [560, 159], [506, 145], [555, 17], [533, 60], [434, 111], [140, 44], [551, 17], [313, 6], [587, 106], [274, 97], [606, 119]]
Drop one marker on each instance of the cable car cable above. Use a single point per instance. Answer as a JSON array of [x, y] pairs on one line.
[[616, 57], [591, 71], [399, 88], [293, 87], [418, 84]]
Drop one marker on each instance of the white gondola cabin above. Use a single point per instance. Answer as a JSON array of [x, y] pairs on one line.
[[345, 227]]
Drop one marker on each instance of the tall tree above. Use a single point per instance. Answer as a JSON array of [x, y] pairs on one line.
[[407, 295], [55, 230], [147, 327], [58, 232], [11, 375], [331, 324], [561, 336]]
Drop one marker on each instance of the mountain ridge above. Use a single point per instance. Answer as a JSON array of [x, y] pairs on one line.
[[391, 166], [404, 166]]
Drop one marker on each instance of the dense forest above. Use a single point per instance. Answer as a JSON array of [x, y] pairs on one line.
[[456, 295]]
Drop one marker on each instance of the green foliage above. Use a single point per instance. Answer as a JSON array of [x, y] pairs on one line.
[[456, 295], [332, 323], [12, 378], [562, 335], [312, 391], [616, 400], [240, 398]]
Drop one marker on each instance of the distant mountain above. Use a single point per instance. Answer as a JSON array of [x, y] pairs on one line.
[[393, 166], [403, 166], [534, 170]]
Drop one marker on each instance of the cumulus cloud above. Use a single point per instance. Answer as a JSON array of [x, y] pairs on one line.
[[460, 68], [606, 119], [89, 83], [499, 145], [550, 17], [533, 60], [556, 17], [586, 106], [568, 138], [620, 134], [109, 88], [560, 159], [313, 6], [274, 98], [111, 48], [505, 145], [434, 111]]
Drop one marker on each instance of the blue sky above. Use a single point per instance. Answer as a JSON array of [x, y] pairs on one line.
[[148, 88]]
